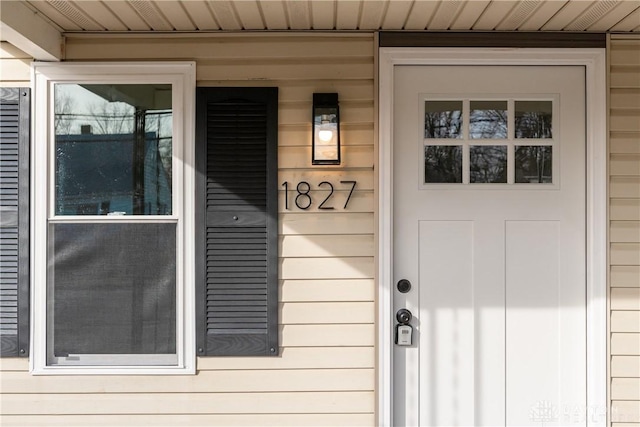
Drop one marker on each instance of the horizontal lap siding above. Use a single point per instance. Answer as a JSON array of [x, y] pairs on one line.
[[325, 373], [624, 214], [195, 420], [15, 66]]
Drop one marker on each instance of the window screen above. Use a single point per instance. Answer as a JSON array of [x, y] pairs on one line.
[[112, 290]]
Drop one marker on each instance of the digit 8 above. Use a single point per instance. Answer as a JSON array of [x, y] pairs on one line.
[[303, 195]]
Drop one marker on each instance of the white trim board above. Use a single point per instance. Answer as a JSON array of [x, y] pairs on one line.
[[594, 61]]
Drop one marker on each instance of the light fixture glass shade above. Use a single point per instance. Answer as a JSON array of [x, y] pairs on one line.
[[326, 129]]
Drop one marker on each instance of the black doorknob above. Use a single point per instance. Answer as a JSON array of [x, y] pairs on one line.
[[404, 316]]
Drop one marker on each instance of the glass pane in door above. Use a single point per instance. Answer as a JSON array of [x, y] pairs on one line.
[[488, 120], [533, 119], [488, 163], [534, 164], [442, 164], [443, 119]]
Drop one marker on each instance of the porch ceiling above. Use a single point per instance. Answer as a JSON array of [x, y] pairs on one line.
[[73, 16]]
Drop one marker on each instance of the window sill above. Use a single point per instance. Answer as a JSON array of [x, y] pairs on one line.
[[114, 370]]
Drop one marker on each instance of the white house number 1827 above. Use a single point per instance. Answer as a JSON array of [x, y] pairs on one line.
[[303, 195]]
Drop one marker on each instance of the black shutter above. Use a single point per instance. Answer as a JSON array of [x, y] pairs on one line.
[[14, 221], [236, 220]]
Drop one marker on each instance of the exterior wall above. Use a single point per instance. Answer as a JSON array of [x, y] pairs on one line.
[[15, 66], [624, 214], [325, 374]]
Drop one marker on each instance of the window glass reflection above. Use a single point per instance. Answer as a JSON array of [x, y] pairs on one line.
[[488, 120], [533, 119], [443, 119], [442, 164], [488, 164], [534, 164], [113, 149]]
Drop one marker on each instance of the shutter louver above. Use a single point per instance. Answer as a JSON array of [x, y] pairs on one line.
[[14, 222], [237, 139]]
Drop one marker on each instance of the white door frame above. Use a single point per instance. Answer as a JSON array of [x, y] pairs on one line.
[[594, 60]]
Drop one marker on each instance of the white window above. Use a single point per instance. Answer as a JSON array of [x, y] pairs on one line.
[[113, 218], [490, 140]]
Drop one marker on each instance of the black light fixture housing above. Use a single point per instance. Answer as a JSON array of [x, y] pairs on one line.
[[325, 149]]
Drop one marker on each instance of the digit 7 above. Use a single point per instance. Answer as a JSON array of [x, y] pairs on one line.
[[353, 187]]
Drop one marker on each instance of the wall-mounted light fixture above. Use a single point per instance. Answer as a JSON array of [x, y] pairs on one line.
[[325, 148]]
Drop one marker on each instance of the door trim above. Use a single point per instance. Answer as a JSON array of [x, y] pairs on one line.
[[594, 61]]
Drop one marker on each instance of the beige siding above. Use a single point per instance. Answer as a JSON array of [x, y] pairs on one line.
[[325, 374], [15, 66], [195, 420], [624, 214]]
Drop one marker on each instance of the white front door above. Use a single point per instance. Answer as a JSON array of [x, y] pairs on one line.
[[489, 228]]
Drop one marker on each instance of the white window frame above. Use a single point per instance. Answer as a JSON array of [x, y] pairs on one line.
[[594, 61], [181, 76]]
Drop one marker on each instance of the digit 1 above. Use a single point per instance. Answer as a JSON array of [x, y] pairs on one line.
[[286, 194]]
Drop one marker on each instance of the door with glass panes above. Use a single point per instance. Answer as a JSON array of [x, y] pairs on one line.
[[489, 228]]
